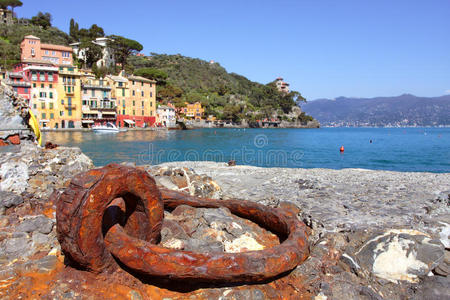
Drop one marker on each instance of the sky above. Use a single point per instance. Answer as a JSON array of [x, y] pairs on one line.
[[323, 48]]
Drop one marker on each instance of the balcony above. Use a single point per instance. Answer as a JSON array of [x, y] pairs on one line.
[[96, 87], [18, 84], [70, 106]]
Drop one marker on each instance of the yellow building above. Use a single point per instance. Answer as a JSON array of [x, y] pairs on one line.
[[68, 113], [97, 104], [135, 99], [193, 111]]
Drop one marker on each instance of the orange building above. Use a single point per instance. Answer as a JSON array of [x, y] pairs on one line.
[[140, 106], [32, 49], [193, 110]]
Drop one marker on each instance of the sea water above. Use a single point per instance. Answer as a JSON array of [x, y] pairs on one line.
[[396, 149]]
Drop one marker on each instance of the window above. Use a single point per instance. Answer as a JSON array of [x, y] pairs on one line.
[[85, 92], [61, 113], [50, 95], [134, 103], [85, 102], [42, 85], [50, 86], [151, 84], [69, 111], [134, 93], [142, 84], [51, 105], [133, 82], [142, 104], [50, 76], [46, 52], [62, 101], [34, 85], [43, 116], [25, 90], [151, 113], [151, 103], [53, 53], [41, 76], [151, 94], [43, 105], [123, 92], [123, 112], [142, 93], [69, 101], [32, 52], [120, 83], [92, 93], [34, 106], [142, 112], [134, 112], [52, 116]]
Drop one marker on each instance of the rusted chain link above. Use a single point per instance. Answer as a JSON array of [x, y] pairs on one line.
[[93, 225]]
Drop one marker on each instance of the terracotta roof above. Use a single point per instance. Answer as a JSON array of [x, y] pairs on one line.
[[139, 78], [56, 47]]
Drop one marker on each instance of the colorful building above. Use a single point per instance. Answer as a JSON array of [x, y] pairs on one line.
[[136, 100], [43, 79], [193, 111], [69, 98], [166, 116], [19, 83], [98, 107], [32, 49]]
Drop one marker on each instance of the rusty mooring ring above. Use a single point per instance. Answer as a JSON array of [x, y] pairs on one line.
[[137, 250]]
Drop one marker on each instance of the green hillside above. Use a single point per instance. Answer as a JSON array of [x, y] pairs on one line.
[[225, 95], [12, 36]]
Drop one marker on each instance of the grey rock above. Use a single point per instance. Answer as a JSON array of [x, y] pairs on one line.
[[400, 255], [9, 199], [14, 177], [434, 288], [39, 223], [17, 246], [443, 268]]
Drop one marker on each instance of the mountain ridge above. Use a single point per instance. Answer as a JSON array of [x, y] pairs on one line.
[[402, 110]]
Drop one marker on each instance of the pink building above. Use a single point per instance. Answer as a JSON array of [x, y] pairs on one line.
[[32, 49]]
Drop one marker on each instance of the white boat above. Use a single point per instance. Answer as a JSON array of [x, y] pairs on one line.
[[108, 128]]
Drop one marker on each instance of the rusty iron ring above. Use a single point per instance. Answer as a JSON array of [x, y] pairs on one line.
[[143, 256]]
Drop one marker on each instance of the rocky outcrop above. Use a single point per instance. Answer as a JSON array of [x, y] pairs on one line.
[[13, 110]]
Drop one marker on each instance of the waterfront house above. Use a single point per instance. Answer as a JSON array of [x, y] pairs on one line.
[[121, 92], [19, 83], [69, 98], [193, 111], [43, 95], [142, 102], [166, 116], [98, 107]]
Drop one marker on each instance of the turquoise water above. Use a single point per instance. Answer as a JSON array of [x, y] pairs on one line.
[[398, 149]]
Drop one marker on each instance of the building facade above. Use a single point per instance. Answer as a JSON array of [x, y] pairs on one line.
[[107, 59], [69, 98], [19, 83], [193, 111], [98, 107], [281, 85], [166, 116], [32, 49]]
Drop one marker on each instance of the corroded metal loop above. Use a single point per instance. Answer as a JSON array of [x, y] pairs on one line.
[[141, 254], [84, 211]]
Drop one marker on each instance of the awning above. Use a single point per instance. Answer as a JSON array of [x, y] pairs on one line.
[[129, 122], [44, 121], [87, 121], [108, 113]]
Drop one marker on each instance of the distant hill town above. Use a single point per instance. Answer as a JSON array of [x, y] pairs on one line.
[[404, 110]]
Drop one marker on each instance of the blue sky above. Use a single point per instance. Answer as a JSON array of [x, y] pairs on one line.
[[324, 49]]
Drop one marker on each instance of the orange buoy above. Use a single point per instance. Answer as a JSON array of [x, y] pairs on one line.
[[342, 149]]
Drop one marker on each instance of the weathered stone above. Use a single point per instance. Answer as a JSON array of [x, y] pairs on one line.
[[9, 199], [401, 255], [18, 247], [443, 268], [39, 223], [14, 177]]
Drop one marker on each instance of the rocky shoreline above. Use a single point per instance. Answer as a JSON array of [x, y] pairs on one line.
[[372, 234]]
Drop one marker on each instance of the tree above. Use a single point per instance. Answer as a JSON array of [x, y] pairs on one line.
[[123, 47], [13, 3], [92, 52], [74, 30], [42, 19], [169, 93], [96, 31], [152, 73]]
